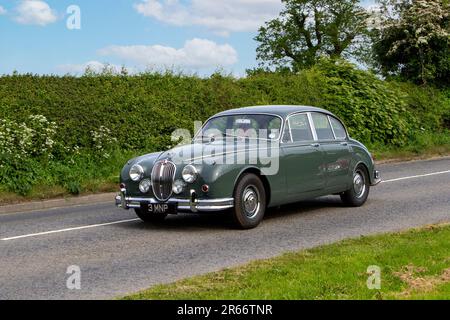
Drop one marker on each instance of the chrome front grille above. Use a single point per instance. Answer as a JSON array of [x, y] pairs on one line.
[[163, 175]]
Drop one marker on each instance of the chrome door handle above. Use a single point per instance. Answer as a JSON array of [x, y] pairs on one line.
[[315, 145], [344, 144]]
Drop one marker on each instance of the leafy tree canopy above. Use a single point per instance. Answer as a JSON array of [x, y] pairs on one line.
[[309, 29], [413, 40]]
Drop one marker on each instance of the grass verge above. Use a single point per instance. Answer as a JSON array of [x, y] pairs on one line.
[[84, 175], [414, 265], [424, 146], [42, 193]]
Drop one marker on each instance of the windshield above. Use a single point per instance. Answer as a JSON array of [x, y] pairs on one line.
[[250, 126]]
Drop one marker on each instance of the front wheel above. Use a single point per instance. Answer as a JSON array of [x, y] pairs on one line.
[[150, 218], [359, 192], [250, 202]]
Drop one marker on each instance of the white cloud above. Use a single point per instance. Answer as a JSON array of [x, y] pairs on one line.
[[35, 12], [222, 17], [195, 54], [2, 10], [94, 66]]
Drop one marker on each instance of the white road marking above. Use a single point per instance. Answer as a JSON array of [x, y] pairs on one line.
[[68, 229], [133, 220], [416, 177]]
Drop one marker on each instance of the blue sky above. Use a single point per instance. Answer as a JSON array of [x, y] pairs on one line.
[[190, 35]]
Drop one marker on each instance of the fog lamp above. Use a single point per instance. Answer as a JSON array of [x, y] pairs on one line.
[[178, 186], [145, 185]]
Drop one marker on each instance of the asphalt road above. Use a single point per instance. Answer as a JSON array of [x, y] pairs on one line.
[[117, 257]]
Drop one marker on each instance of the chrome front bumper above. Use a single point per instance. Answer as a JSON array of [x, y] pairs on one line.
[[193, 204]]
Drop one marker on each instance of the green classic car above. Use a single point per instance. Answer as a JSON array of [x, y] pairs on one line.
[[245, 160]]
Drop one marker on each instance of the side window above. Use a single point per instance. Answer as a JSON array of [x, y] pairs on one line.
[[338, 128], [300, 128], [323, 127]]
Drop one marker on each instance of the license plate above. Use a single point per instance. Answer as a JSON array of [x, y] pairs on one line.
[[159, 208]]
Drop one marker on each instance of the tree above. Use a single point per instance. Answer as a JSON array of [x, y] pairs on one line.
[[309, 29], [413, 40]]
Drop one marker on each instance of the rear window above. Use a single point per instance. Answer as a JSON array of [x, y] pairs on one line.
[[338, 128], [323, 127]]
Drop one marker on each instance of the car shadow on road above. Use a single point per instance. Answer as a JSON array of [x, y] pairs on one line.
[[223, 221], [304, 207], [187, 223]]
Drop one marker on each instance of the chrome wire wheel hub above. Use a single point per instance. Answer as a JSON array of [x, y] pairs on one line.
[[359, 184], [251, 202]]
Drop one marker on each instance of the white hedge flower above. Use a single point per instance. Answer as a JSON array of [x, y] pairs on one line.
[[20, 140], [103, 141]]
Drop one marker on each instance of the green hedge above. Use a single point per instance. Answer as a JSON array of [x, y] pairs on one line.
[[140, 112]]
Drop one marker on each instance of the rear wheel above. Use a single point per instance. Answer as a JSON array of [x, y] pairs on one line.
[[359, 192], [150, 217], [250, 202]]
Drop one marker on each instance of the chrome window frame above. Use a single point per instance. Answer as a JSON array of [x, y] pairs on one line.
[[287, 124], [313, 126]]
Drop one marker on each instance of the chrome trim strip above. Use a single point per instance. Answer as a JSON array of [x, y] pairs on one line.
[[290, 129], [332, 129], [313, 126]]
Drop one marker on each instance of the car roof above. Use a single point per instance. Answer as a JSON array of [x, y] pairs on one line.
[[279, 110]]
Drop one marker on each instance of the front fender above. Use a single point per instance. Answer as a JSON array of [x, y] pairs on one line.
[[221, 179], [146, 161]]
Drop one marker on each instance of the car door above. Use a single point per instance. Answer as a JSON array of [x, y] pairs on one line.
[[302, 157], [333, 139]]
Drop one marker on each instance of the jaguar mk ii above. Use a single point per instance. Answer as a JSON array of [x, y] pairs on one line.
[[311, 148]]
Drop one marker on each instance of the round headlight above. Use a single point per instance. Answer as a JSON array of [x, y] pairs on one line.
[[145, 185], [178, 186], [189, 174], [136, 172]]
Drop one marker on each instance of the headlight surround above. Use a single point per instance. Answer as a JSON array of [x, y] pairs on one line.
[[136, 173], [190, 174], [145, 185], [178, 186]]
